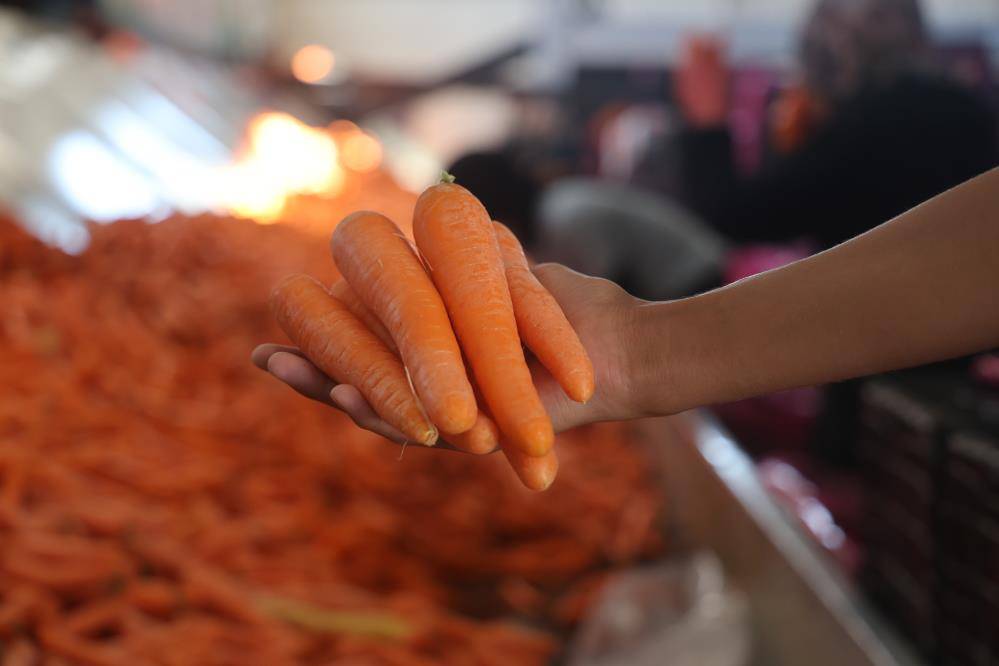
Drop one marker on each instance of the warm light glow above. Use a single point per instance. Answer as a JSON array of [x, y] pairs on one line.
[[250, 192], [343, 127], [312, 63], [303, 158], [282, 157], [361, 152]]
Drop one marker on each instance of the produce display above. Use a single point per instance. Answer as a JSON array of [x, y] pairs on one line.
[[163, 502]]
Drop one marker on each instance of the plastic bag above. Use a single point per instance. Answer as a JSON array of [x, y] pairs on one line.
[[681, 613]]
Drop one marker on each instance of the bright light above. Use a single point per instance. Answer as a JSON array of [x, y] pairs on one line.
[[361, 152], [282, 157], [303, 158], [250, 192], [312, 63], [96, 183]]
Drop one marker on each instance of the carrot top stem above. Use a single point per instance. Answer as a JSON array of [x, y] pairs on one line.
[[446, 177]]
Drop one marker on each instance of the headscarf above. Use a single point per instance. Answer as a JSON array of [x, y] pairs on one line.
[[851, 45]]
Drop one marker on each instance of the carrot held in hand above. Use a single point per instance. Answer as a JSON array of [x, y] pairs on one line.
[[340, 345], [383, 270], [537, 473], [343, 293], [455, 235], [483, 438], [542, 324]]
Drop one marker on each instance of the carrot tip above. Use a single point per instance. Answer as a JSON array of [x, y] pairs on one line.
[[545, 485], [430, 439]]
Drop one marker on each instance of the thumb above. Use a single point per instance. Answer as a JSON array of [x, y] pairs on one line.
[[577, 293], [564, 283]]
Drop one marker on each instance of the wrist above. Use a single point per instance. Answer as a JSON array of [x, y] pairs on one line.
[[670, 354], [649, 367]]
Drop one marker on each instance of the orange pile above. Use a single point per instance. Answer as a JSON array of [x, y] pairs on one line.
[[163, 502]]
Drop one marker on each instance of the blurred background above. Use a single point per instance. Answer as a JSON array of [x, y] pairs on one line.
[[163, 163]]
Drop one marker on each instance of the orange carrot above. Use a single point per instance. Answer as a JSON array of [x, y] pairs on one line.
[[342, 347], [456, 237], [484, 435], [537, 473], [343, 293], [481, 439], [385, 273], [542, 324]]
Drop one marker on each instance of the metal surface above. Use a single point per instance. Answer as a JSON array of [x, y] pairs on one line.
[[803, 610]]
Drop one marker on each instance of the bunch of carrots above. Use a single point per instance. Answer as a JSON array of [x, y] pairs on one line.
[[163, 505], [404, 320]]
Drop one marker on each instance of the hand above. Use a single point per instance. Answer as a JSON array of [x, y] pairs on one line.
[[700, 82], [602, 314]]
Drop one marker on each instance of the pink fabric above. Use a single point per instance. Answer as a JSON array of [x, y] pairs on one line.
[[801, 498], [985, 369], [750, 260]]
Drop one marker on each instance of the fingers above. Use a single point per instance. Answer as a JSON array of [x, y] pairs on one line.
[[350, 400], [262, 353], [577, 293], [560, 280], [563, 412], [301, 375], [289, 366]]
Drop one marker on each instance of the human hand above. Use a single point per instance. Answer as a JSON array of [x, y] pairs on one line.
[[701, 82], [600, 311]]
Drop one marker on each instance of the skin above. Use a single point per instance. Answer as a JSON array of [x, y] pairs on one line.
[[921, 288], [599, 310], [701, 82]]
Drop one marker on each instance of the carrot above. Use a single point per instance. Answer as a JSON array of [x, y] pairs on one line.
[[385, 273], [537, 473], [455, 236], [481, 439], [20, 652], [542, 324], [342, 347], [343, 293]]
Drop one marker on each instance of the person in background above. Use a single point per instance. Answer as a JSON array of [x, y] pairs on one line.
[[509, 191], [650, 245], [870, 130]]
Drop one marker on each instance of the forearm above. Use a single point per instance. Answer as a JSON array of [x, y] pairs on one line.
[[921, 288]]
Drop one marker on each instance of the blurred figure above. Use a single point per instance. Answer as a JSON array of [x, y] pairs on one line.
[[508, 191], [651, 246], [870, 131]]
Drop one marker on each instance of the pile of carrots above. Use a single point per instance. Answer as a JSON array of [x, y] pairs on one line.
[[392, 327], [163, 503]]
